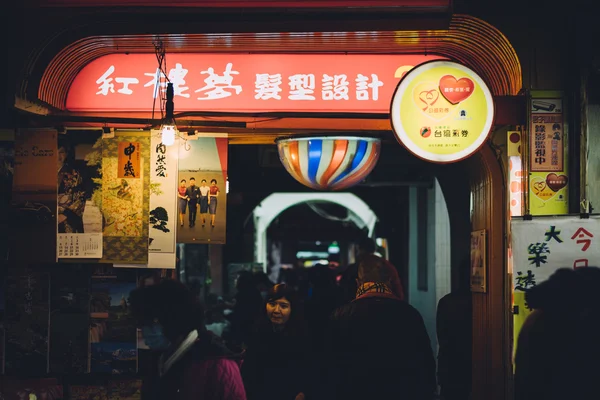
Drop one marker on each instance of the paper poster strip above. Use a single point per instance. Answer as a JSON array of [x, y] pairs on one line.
[[79, 219], [125, 200], [163, 195]]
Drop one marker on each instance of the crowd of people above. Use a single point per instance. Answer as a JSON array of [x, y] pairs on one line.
[[317, 336], [314, 336]]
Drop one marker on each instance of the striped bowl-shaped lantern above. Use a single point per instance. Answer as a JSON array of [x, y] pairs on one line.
[[329, 163]]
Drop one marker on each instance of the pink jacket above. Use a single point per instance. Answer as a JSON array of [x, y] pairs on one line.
[[216, 379], [198, 369]]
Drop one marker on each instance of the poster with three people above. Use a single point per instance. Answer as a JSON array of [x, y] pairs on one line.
[[201, 191]]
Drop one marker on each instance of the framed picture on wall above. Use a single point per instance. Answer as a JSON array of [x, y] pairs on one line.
[[479, 261]]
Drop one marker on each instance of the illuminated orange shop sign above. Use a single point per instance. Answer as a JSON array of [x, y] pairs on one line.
[[442, 111], [242, 82]]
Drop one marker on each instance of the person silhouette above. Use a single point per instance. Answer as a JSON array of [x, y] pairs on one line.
[[557, 349]]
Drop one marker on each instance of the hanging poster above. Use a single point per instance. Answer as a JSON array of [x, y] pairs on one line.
[[69, 318], [26, 322], [545, 244], [125, 193], [479, 261], [542, 246], [79, 218], [548, 179], [113, 333], [546, 138], [34, 196], [163, 195], [202, 194]]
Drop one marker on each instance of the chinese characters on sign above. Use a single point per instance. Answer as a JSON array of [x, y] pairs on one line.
[[444, 131], [244, 82], [161, 160], [548, 177], [267, 86], [159, 81], [163, 201], [582, 236], [546, 135], [129, 160], [442, 111], [524, 281], [106, 85], [543, 245]]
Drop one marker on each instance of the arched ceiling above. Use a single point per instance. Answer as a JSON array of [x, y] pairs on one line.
[[467, 40]]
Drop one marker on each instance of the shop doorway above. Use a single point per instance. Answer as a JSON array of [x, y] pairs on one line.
[[263, 215]]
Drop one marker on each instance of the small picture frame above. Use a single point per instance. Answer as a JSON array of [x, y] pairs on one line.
[[479, 261]]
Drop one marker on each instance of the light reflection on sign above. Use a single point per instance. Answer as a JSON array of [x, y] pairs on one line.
[[242, 82]]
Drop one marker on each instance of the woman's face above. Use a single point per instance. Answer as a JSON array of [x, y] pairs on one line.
[[182, 184], [62, 155], [278, 311], [213, 183]]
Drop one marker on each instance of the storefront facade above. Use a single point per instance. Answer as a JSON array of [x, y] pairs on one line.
[[70, 84]]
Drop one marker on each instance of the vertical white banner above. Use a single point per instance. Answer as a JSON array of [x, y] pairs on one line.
[[163, 195], [545, 244]]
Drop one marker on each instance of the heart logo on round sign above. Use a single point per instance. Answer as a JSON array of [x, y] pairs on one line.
[[429, 98], [426, 96], [456, 90]]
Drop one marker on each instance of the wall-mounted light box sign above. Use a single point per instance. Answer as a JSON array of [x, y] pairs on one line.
[[359, 83], [442, 111]]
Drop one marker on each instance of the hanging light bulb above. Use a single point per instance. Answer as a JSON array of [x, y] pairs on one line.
[[168, 134], [168, 128]]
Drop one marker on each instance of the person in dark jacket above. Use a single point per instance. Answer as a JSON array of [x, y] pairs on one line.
[[454, 325], [248, 306], [193, 194], [379, 347], [194, 365], [323, 300], [558, 350], [275, 363]]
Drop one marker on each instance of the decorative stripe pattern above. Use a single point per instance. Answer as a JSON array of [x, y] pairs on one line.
[[329, 163]]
